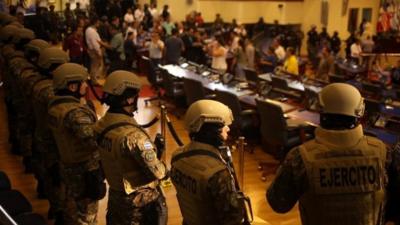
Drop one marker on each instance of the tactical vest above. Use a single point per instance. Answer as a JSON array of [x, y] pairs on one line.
[[71, 148], [42, 92], [191, 168], [346, 184], [123, 172]]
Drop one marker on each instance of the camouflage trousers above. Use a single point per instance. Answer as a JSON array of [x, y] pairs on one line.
[[139, 208], [79, 210], [46, 167]]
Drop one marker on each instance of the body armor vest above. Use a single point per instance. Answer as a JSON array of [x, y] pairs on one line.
[[123, 172], [346, 181], [190, 174], [71, 149]]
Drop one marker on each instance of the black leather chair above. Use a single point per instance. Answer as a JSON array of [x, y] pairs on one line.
[[194, 91], [174, 92], [334, 78], [14, 203], [279, 134], [251, 77], [5, 183], [245, 121], [372, 111], [154, 77]]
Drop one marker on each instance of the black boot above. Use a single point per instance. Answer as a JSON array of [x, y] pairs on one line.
[[59, 216]]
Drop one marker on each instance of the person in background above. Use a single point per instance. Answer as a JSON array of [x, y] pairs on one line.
[[349, 41], [199, 21], [94, 50], [367, 46], [75, 46], [104, 29], [250, 53], [218, 53], [130, 50], [268, 61], [78, 11], [54, 21], [156, 48], [326, 65], [69, 18], [139, 14], [312, 45], [132, 28], [291, 64], [335, 43], [218, 22], [279, 50], [355, 51], [259, 26], [154, 11], [168, 26], [174, 47], [165, 12], [240, 61], [128, 17], [116, 52]]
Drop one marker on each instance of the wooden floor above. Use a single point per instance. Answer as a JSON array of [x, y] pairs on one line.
[[254, 187]]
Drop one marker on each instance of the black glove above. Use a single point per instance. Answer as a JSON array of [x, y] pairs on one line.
[[160, 144]]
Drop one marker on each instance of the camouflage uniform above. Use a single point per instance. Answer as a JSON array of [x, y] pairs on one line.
[[71, 123], [46, 155], [132, 170], [292, 182], [212, 198]]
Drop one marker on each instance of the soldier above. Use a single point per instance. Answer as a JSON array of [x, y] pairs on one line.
[[45, 154], [72, 126], [129, 157], [33, 48], [338, 177], [204, 183], [24, 126]]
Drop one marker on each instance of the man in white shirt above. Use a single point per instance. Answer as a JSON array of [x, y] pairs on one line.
[[154, 11], [355, 51], [94, 50], [279, 51], [139, 14]]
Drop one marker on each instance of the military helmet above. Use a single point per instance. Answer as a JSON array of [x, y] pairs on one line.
[[342, 99], [36, 45], [23, 34], [118, 81], [50, 56], [207, 111], [7, 32], [68, 72]]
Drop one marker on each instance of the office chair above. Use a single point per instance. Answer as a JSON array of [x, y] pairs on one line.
[[372, 111], [333, 78], [245, 121], [278, 134], [173, 90], [371, 89], [194, 91], [251, 77], [154, 77]]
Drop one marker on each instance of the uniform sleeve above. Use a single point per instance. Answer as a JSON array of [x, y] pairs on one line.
[[225, 198], [143, 150], [392, 212], [289, 184], [80, 123]]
